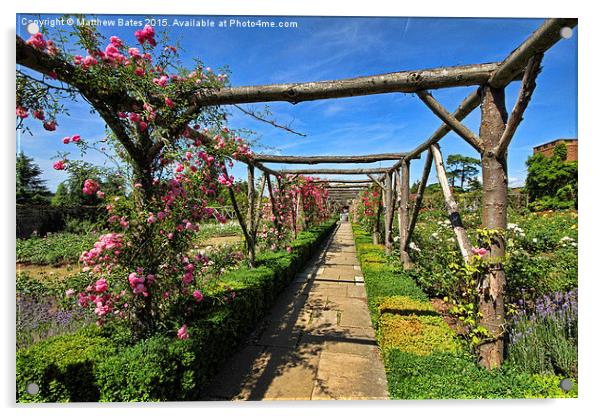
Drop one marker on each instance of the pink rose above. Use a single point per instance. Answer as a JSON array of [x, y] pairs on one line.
[[183, 332]]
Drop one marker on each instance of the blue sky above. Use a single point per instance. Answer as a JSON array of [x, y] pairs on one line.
[[330, 48]]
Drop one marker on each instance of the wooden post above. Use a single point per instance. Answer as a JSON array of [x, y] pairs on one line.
[[403, 190], [495, 193], [388, 211], [451, 205], [258, 206], [376, 231], [420, 194], [242, 222]]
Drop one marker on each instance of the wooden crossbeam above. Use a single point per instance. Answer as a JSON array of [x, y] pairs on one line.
[[540, 41], [333, 171], [313, 160], [404, 81], [524, 96], [358, 181], [450, 120]]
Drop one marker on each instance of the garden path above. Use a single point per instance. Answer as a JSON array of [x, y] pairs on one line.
[[317, 342]]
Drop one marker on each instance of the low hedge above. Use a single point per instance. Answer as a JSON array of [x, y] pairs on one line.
[[101, 365], [422, 356]]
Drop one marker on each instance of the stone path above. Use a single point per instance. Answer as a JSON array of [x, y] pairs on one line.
[[317, 342]]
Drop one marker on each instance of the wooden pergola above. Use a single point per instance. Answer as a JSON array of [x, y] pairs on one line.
[[491, 142]]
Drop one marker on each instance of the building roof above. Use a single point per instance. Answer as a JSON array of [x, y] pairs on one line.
[[564, 139]]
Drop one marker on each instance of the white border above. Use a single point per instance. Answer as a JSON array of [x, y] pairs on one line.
[[590, 145]]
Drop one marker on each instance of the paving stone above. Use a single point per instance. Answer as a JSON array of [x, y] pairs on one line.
[[317, 341], [364, 382]]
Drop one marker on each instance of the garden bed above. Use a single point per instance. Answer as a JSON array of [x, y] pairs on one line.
[[423, 357], [103, 364]]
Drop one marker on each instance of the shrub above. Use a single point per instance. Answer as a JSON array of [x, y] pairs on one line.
[[450, 376], [64, 367]]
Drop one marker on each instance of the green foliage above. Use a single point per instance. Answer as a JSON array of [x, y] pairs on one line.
[[451, 376], [64, 367], [30, 188], [54, 249], [156, 369], [552, 181]]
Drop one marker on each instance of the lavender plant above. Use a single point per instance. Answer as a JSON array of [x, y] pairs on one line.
[[543, 336]]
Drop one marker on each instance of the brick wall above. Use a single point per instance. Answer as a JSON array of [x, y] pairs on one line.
[[548, 149]]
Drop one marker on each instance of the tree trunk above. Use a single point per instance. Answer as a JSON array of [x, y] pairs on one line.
[[495, 190]]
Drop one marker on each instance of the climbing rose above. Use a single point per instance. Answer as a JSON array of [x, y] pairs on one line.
[[198, 296], [480, 251], [22, 112], [50, 125], [90, 187], [59, 165], [39, 114], [37, 41], [75, 138], [183, 332]]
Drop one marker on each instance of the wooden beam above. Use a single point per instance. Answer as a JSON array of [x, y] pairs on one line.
[[464, 109], [524, 96], [450, 120], [451, 205], [333, 171], [241, 219], [313, 160], [359, 181], [540, 41], [426, 171], [404, 81], [376, 181]]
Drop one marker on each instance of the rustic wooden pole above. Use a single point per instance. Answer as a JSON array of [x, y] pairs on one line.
[[251, 198], [376, 229], [328, 171], [495, 199], [419, 195], [259, 205], [450, 120], [242, 223], [388, 211], [524, 96], [404, 203], [451, 205], [313, 160], [377, 182]]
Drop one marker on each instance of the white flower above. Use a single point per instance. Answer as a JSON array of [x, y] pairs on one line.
[[414, 247], [396, 238], [535, 240]]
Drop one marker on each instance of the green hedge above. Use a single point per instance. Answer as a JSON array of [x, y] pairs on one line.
[[95, 364], [422, 356]]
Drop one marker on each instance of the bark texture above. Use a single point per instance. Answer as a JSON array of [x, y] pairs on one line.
[[495, 191]]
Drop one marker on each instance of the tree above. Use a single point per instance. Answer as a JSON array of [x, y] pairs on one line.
[[30, 189], [69, 192], [552, 181], [463, 168]]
